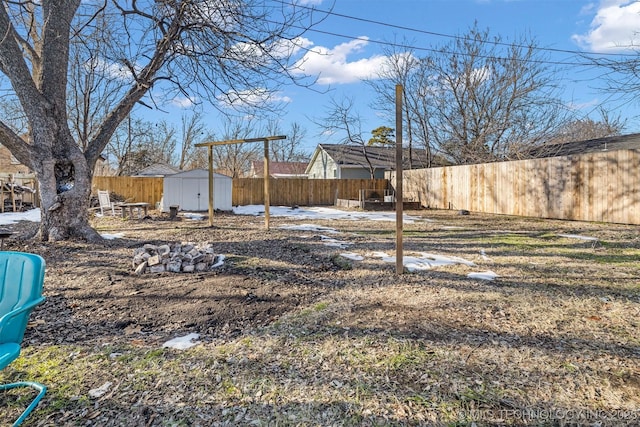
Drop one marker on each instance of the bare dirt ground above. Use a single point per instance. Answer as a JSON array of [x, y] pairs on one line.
[[291, 333]]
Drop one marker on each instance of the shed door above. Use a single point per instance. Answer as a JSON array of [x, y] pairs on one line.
[[194, 194]]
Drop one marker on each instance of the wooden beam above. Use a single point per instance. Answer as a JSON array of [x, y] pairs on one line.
[[211, 183], [240, 141], [266, 140], [267, 200], [399, 196]]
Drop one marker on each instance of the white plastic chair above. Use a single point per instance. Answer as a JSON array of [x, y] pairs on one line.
[[106, 203]]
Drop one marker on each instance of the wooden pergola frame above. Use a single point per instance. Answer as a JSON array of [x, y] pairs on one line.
[[265, 140]]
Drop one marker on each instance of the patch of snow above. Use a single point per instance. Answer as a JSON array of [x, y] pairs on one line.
[[183, 343], [320, 213], [310, 227], [193, 216], [379, 254], [108, 236], [219, 261], [424, 261], [577, 236], [329, 241], [486, 275], [352, 256], [32, 215]]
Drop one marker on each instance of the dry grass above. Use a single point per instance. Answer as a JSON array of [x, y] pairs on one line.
[[553, 341]]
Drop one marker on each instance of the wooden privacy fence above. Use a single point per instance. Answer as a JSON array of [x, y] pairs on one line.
[[603, 186], [250, 191], [140, 189], [300, 191]]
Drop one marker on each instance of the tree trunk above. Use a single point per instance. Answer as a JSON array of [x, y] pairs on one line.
[[64, 181]]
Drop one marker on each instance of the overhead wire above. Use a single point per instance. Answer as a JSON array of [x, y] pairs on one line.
[[451, 36], [589, 58]]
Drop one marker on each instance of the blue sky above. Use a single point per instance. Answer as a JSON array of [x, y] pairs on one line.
[[574, 25]]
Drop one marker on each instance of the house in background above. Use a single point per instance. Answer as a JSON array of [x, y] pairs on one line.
[[339, 161], [9, 164], [279, 169], [610, 143]]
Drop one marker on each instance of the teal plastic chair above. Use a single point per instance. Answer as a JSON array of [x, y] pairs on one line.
[[21, 280]]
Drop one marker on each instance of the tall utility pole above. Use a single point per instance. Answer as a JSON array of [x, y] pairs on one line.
[[399, 196]]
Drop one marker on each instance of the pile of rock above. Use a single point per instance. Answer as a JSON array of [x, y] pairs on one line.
[[176, 258]]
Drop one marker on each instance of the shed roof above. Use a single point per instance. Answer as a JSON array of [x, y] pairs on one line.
[[198, 173]]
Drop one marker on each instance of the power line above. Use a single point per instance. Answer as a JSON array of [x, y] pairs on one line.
[[451, 36], [434, 50]]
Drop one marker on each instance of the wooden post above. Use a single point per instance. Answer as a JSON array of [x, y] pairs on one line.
[[211, 175], [266, 184], [399, 196], [266, 169]]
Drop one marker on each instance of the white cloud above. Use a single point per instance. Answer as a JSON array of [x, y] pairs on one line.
[[280, 49], [183, 102], [576, 106], [332, 66], [111, 69], [614, 27], [310, 2]]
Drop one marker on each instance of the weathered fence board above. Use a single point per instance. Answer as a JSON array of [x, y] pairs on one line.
[[250, 191], [140, 189], [603, 186], [300, 191]]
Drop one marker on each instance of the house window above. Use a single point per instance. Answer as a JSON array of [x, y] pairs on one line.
[[335, 173]]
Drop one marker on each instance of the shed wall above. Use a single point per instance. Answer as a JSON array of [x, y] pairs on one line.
[[190, 192]]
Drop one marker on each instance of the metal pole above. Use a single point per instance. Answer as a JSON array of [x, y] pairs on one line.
[[399, 196]]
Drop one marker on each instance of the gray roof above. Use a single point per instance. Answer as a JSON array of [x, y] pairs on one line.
[[611, 143], [380, 157]]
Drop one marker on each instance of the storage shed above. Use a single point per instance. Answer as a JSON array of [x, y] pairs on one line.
[[190, 191]]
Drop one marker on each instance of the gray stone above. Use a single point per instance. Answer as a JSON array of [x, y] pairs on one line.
[[164, 250], [157, 268], [141, 267], [174, 266]]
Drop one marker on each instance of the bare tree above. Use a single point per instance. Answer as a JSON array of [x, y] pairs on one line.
[[137, 144], [341, 118], [402, 68], [235, 159], [478, 98], [192, 131], [222, 50], [287, 150], [92, 88], [587, 128]]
